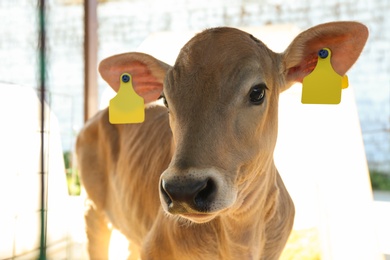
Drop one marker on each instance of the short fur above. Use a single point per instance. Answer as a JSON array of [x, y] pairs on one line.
[[212, 131]]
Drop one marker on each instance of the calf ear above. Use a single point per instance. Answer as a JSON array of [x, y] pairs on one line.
[[345, 40], [147, 73]]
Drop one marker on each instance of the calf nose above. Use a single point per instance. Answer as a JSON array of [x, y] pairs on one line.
[[195, 195]]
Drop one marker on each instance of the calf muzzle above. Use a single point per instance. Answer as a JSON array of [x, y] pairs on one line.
[[186, 195]]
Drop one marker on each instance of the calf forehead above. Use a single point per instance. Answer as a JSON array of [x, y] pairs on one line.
[[220, 43], [218, 59], [221, 47]]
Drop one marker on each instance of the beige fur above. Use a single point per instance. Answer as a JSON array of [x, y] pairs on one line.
[[212, 131]]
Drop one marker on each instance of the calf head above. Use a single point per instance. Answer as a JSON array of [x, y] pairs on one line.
[[222, 97]]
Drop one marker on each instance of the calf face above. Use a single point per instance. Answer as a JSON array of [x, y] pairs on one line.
[[222, 103], [222, 96]]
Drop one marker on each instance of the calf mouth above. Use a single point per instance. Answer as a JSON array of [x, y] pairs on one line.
[[199, 218]]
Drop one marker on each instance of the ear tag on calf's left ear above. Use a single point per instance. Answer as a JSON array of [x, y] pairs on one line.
[[126, 107], [323, 85]]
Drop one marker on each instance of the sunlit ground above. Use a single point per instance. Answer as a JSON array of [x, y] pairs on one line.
[[302, 245], [118, 246]]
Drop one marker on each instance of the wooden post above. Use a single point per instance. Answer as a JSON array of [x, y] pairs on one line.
[[90, 59]]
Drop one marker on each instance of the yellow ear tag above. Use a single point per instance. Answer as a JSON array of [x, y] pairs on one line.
[[323, 85], [126, 107]]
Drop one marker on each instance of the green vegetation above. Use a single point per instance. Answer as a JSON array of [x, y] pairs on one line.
[[72, 176], [380, 180]]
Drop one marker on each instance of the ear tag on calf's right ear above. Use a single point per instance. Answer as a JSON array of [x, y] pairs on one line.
[[126, 107], [323, 85]]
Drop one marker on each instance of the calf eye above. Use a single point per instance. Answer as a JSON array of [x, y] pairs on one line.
[[257, 94], [165, 102]]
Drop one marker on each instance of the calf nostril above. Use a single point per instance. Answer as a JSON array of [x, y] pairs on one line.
[[165, 194], [205, 195]]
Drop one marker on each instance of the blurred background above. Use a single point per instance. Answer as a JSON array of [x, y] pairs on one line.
[[123, 26]]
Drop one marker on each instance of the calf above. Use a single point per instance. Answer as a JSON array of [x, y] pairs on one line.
[[197, 179]]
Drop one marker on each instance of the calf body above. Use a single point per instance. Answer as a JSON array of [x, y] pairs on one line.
[[200, 182]]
